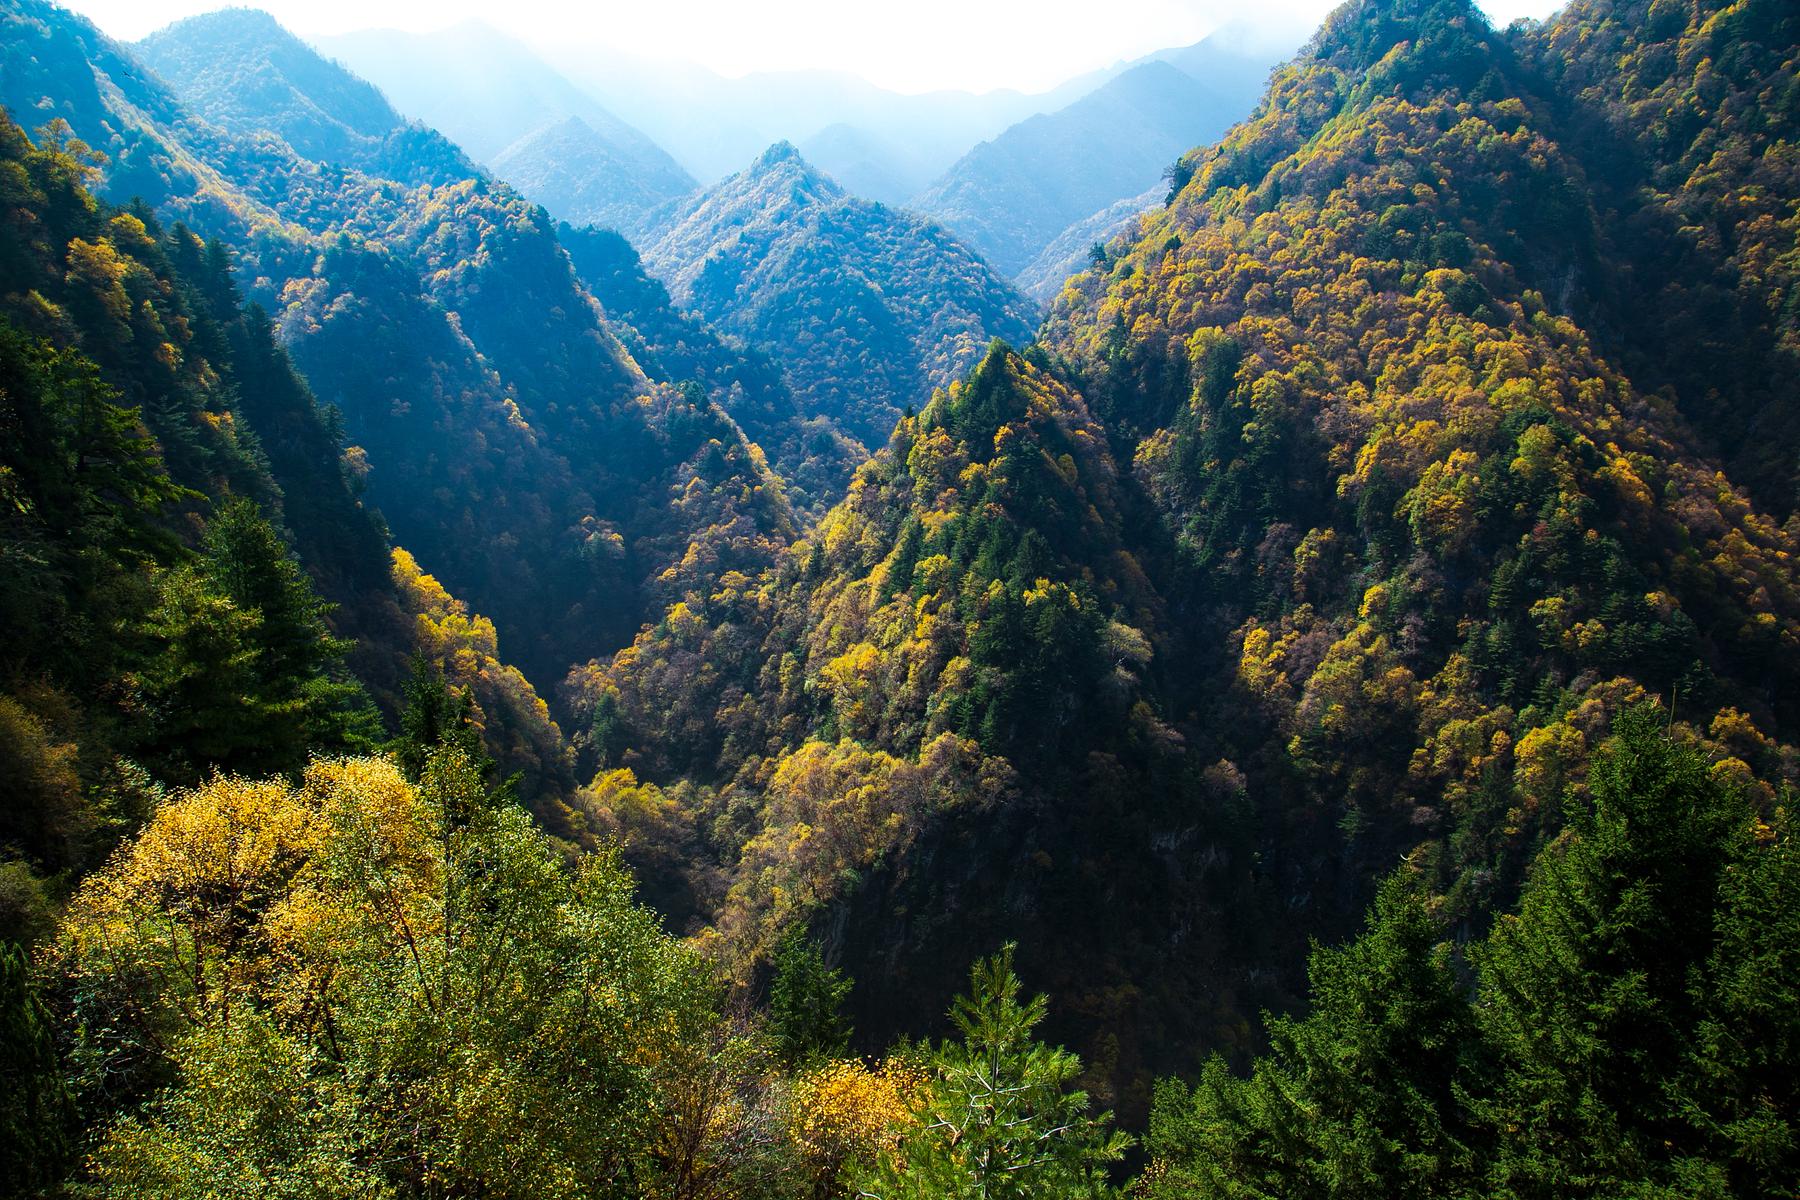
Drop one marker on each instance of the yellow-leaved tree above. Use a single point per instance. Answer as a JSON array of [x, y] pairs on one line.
[[362, 986]]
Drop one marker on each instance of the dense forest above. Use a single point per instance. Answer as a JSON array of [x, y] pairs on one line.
[[867, 308], [732, 706]]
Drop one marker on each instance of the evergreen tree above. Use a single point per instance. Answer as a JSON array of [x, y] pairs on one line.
[[35, 1111], [1596, 994], [200, 682], [1000, 1118], [238, 664], [299, 662], [438, 722], [806, 1001], [1362, 1098], [436, 716]]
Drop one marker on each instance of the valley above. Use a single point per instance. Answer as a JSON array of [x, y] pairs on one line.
[[586, 630]]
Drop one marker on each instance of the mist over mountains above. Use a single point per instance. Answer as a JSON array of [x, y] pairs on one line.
[[1056, 158]]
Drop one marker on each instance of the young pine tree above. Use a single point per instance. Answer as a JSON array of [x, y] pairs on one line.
[[806, 1000], [1000, 1119]]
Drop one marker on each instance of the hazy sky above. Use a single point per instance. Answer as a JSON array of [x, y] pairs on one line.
[[911, 46]]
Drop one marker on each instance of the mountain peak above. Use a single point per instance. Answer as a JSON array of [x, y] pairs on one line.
[[783, 171], [1445, 36], [243, 70], [780, 153], [238, 20]]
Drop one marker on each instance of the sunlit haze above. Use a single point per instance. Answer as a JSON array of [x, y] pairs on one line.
[[977, 45]]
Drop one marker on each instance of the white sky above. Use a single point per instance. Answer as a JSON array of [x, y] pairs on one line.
[[909, 46]]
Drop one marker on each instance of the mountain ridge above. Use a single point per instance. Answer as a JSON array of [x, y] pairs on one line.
[[1010, 197], [867, 307]]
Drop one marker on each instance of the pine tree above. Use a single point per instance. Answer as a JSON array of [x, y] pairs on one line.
[[298, 657], [1000, 1119], [437, 723], [806, 1001], [1594, 993], [201, 686], [1361, 1098]]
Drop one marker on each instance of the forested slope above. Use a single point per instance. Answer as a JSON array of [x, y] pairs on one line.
[[515, 445], [865, 308], [1396, 537], [241, 70]]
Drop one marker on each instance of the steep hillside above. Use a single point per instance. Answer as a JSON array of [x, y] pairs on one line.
[[1685, 120], [1322, 536], [935, 726], [1009, 198], [866, 308], [168, 478], [241, 70], [585, 178], [813, 457], [513, 444], [1440, 537]]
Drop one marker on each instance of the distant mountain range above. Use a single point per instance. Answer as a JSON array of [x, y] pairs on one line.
[[1070, 252], [509, 109], [866, 137], [1011, 197], [868, 308], [882, 145]]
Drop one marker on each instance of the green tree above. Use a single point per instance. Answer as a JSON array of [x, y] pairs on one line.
[[298, 662], [1630, 946], [35, 1111], [806, 1000], [1000, 1118], [1364, 1097], [363, 986], [201, 686], [436, 717]]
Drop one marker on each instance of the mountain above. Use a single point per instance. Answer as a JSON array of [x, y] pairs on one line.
[[582, 177], [957, 669], [1009, 198], [513, 444], [241, 70], [867, 308], [1372, 603], [1069, 253], [1368, 366], [866, 164], [1327, 531], [715, 124], [193, 577], [493, 97], [812, 456]]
